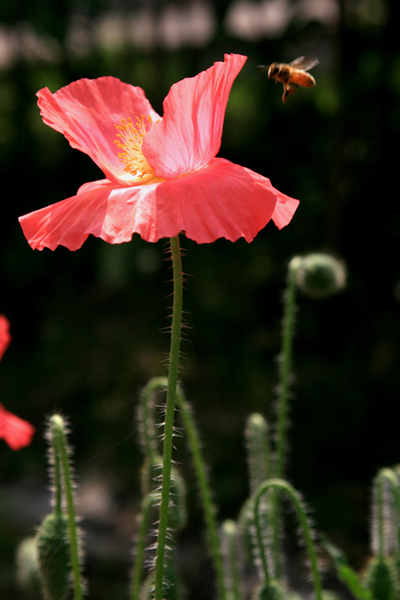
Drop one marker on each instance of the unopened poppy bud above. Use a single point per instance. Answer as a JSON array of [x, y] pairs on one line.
[[54, 556], [319, 275], [258, 450], [381, 578], [230, 552]]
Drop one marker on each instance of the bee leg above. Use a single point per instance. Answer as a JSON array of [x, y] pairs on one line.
[[286, 92], [289, 88]]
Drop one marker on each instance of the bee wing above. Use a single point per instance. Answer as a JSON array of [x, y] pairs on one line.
[[304, 63]]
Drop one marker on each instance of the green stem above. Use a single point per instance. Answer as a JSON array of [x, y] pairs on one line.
[[169, 414], [205, 491], [284, 381], [291, 492], [159, 383], [140, 549], [148, 428], [57, 482], [147, 432], [286, 364], [57, 424]]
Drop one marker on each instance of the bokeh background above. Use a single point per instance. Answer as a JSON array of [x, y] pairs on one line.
[[87, 326]]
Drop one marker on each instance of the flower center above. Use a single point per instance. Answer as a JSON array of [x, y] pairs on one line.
[[130, 141]]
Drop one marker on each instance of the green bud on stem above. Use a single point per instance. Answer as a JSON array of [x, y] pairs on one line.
[[54, 556], [319, 275]]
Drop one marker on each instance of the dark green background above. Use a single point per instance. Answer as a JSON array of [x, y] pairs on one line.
[[86, 325]]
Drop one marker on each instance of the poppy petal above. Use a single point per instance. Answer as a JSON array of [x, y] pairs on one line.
[[5, 337], [222, 200], [69, 222], [284, 210], [86, 112], [17, 432], [189, 136]]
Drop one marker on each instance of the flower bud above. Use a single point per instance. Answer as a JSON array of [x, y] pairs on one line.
[[54, 556], [258, 450], [381, 578], [230, 553], [319, 275]]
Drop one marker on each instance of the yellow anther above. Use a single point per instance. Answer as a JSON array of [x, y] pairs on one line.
[[130, 141]]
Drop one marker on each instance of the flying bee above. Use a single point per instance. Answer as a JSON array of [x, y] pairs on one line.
[[292, 75]]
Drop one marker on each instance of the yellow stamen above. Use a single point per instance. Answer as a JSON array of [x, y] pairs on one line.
[[131, 140]]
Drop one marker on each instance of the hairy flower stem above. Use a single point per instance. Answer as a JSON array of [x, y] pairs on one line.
[[57, 476], [205, 492], [285, 366], [148, 428], [140, 550], [160, 383], [60, 446], [169, 414], [291, 492], [283, 396]]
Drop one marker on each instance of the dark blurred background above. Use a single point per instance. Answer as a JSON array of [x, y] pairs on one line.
[[86, 325]]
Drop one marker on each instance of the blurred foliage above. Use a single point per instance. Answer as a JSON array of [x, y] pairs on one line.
[[86, 325]]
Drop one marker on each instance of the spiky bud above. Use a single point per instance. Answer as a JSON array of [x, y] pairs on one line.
[[230, 552], [381, 578], [319, 275], [258, 450], [54, 556]]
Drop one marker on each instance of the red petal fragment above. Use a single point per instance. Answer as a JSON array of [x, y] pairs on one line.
[[284, 210], [17, 432], [5, 337]]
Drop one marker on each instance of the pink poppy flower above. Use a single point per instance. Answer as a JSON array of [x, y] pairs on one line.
[[15, 431], [162, 174], [5, 337]]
